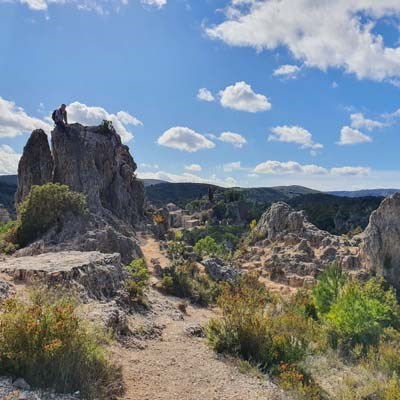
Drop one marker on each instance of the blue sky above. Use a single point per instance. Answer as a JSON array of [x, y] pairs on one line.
[[292, 92]]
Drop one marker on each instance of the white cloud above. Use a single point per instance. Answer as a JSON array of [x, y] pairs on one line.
[[294, 134], [193, 167], [323, 34], [89, 115], [149, 166], [155, 3], [15, 121], [241, 96], [187, 177], [185, 139], [100, 6], [233, 138], [289, 167], [334, 85], [350, 136], [358, 121], [351, 171], [8, 160], [287, 71], [205, 95], [233, 166]]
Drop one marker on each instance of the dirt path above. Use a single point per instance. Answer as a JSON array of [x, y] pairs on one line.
[[178, 366]]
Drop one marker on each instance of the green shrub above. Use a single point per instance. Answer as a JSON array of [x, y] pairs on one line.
[[138, 278], [209, 247], [185, 280], [256, 329], [360, 315], [176, 250], [44, 207], [327, 290], [44, 341], [8, 239]]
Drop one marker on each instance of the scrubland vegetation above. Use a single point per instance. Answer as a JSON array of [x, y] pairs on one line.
[[45, 207], [44, 340]]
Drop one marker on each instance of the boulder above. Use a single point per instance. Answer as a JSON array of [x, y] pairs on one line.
[[218, 271]]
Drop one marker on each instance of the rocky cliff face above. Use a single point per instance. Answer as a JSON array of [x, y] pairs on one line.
[[381, 241], [36, 164], [93, 161]]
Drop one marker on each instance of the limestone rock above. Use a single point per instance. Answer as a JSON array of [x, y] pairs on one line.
[[381, 238], [218, 271], [35, 166], [93, 161], [94, 274], [294, 248]]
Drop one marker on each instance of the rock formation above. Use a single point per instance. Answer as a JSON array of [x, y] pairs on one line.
[[95, 275], [36, 164], [93, 161], [381, 241], [288, 247]]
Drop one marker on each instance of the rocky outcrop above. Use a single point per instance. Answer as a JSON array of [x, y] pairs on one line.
[[36, 164], [92, 161], [288, 247], [219, 271], [94, 274], [381, 238]]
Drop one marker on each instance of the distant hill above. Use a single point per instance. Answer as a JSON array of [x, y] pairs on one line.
[[365, 193], [8, 187], [336, 214], [150, 182]]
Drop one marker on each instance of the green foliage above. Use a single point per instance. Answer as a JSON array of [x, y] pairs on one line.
[[360, 315], [209, 247], [327, 290], [256, 329], [106, 126], [44, 207], [176, 250], [185, 280], [8, 240], [138, 279], [44, 341]]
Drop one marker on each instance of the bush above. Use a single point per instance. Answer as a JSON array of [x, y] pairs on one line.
[[8, 240], [185, 280], [44, 207], [209, 247], [328, 288], [360, 315], [45, 342], [138, 279], [253, 327]]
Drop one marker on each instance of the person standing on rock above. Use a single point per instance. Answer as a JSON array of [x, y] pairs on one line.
[[59, 117]]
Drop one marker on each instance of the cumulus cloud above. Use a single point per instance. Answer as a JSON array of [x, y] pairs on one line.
[[193, 167], [293, 167], [358, 121], [15, 121], [351, 171], [294, 134], [350, 136], [89, 115], [322, 34], [235, 139], [205, 95], [287, 71], [233, 166], [185, 139], [241, 96], [9, 160], [289, 167]]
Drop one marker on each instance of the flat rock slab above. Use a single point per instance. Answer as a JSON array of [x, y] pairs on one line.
[[98, 275]]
